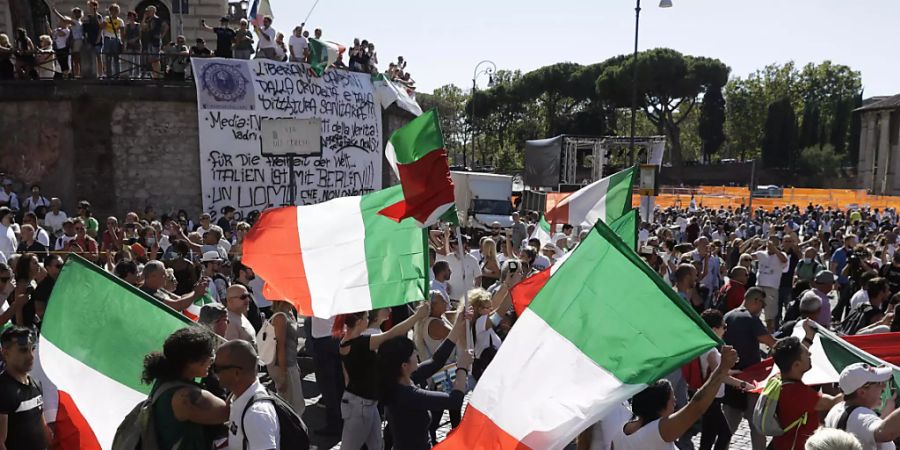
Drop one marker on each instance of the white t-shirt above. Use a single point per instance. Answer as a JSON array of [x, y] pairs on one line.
[[705, 369], [260, 422], [606, 428], [468, 266], [296, 45], [54, 221], [541, 262], [862, 423], [257, 285], [61, 40], [485, 338], [267, 43], [8, 242], [859, 297], [646, 438], [770, 269], [42, 237]]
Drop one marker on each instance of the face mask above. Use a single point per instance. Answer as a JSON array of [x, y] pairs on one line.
[[151, 241], [808, 260]]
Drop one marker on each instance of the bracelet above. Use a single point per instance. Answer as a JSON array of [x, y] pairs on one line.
[[464, 370]]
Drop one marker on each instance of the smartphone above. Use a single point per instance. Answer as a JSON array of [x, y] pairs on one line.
[[513, 266]]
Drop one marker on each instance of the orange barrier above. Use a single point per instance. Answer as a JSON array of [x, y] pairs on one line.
[[735, 196]]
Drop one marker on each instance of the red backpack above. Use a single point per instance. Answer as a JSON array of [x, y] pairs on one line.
[[693, 374]]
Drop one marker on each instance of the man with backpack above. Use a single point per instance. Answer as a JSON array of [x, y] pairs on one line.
[[797, 405], [863, 386], [258, 420]]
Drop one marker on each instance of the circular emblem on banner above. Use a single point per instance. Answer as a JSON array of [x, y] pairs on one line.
[[224, 82]]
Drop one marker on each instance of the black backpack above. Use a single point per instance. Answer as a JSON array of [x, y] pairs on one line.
[[856, 320], [292, 432]]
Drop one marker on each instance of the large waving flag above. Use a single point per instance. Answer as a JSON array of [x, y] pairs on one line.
[[606, 199], [417, 155], [322, 54], [830, 353], [626, 228], [95, 334], [584, 345], [258, 10], [339, 256]]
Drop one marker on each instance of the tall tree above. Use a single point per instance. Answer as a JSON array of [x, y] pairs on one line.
[[668, 85], [779, 144], [712, 122]]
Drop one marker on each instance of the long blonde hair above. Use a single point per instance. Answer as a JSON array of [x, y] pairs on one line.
[[4, 40]]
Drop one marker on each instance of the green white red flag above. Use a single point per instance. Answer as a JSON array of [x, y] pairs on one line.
[[585, 344], [339, 256], [606, 199], [416, 153], [322, 54], [95, 333]]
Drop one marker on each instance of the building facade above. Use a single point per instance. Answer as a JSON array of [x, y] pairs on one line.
[[879, 147]]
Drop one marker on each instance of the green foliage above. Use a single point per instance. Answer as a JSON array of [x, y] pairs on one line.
[[820, 161], [668, 85], [712, 122], [824, 94], [779, 144]]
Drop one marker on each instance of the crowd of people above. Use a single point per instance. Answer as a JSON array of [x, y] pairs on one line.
[[114, 44], [387, 376]]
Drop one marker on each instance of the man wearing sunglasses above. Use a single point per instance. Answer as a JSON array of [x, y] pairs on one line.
[[22, 423], [237, 302], [252, 424], [863, 386]]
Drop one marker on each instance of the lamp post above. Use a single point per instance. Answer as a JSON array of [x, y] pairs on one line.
[[634, 90], [490, 71]]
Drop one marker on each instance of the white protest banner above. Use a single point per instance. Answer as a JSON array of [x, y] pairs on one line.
[[235, 97]]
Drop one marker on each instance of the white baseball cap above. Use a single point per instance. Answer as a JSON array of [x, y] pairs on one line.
[[856, 375]]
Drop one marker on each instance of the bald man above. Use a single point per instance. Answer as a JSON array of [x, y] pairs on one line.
[[237, 302], [253, 422]]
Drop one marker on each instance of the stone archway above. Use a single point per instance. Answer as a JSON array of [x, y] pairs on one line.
[[32, 15], [162, 10]]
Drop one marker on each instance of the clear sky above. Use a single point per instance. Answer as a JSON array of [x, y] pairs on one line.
[[444, 40]]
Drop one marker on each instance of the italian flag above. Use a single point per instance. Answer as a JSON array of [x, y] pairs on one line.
[[523, 293], [323, 54], [830, 353], [626, 228], [541, 231], [96, 332], [586, 343], [339, 256], [193, 312], [417, 155], [258, 10], [606, 199]]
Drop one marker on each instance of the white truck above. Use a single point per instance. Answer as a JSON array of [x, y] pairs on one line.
[[483, 198]]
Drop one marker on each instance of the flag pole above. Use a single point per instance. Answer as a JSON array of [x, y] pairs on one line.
[[470, 342], [311, 11]]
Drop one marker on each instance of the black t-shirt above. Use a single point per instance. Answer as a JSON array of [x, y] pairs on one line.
[[224, 38], [200, 51], [224, 224], [361, 364], [35, 247], [741, 332], [23, 405]]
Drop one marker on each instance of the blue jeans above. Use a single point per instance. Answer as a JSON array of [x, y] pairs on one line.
[[112, 47]]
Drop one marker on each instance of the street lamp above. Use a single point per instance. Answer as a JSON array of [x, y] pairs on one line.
[[489, 71], [634, 90]]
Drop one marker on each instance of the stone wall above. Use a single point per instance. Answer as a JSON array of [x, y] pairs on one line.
[[122, 145]]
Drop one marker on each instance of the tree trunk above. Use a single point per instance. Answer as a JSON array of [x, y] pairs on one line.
[[673, 134]]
